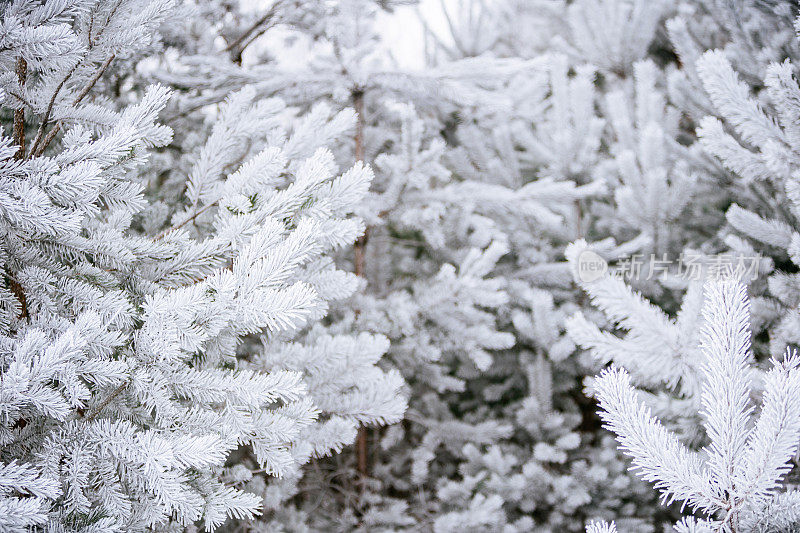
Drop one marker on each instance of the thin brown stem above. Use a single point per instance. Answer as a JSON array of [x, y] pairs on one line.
[[358, 104], [358, 263], [236, 48], [111, 15], [19, 293], [47, 140], [39, 150], [102, 405], [95, 78], [187, 220], [19, 114], [361, 448], [49, 111], [18, 135]]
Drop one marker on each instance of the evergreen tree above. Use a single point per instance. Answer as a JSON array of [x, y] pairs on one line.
[[132, 366]]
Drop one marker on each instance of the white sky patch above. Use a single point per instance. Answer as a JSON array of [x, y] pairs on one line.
[[402, 33]]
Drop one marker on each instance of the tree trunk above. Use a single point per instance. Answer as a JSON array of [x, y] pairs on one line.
[[19, 114], [358, 263], [18, 135]]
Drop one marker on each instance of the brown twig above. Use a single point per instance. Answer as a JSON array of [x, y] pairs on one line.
[[48, 112], [19, 293], [186, 220], [358, 263], [47, 140], [95, 78], [18, 135], [116, 392], [19, 114], [39, 150], [236, 48]]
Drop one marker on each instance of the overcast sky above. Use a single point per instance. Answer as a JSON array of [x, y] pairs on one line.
[[401, 31]]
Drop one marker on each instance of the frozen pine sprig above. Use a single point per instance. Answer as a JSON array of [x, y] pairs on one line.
[[561, 130], [346, 385], [736, 482], [601, 527], [69, 45], [347, 389], [24, 495], [759, 141], [750, 35], [655, 349], [613, 34], [272, 168], [650, 443], [653, 176], [731, 98]]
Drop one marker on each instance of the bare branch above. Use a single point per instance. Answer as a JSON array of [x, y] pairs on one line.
[[258, 27]]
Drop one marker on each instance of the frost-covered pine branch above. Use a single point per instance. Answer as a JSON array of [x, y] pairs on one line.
[[653, 175], [760, 148], [612, 34], [735, 481]]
